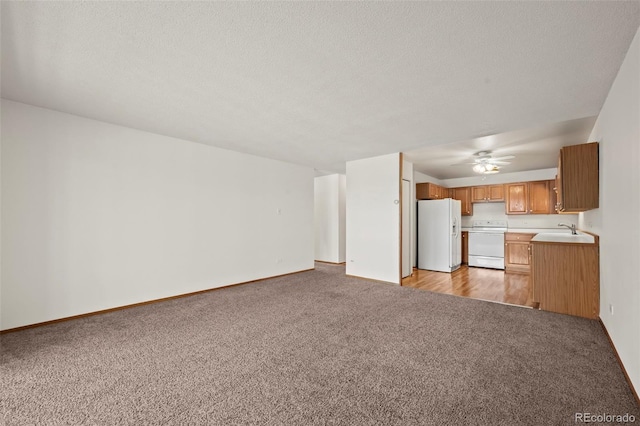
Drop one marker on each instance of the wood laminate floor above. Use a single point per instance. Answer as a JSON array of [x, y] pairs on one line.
[[477, 283]]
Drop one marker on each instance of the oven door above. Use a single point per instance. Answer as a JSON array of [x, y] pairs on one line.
[[486, 244]]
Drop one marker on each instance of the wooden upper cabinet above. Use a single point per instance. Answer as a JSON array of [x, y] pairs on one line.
[[464, 195], [540, 197], [559, 185], [477, 194], [553, 197], [443, 192], [537, 197], [577, 182], [434, 191], [422, 191], [517, 198], [496, 193], [431, 191], [487, 193]]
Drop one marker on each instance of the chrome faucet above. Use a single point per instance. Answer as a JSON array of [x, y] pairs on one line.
[[572, 227]]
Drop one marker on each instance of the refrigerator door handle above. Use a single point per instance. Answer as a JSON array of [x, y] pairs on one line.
[[455, 227]]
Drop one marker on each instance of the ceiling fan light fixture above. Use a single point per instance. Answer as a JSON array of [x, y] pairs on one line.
[[491, 168], [486, 168], [478, 168]]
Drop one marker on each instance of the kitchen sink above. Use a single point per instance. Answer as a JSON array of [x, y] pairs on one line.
[[564, 238]]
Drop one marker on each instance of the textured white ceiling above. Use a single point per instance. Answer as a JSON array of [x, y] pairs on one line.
[[317, 83]]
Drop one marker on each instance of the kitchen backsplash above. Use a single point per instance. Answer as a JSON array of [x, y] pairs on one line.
[[496, 211]]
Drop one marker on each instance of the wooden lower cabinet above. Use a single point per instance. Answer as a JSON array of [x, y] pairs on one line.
[[517, 252], [565, 278], [465, 247]]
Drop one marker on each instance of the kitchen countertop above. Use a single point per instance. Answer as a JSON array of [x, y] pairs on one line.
[[539, 230], [530, 230]]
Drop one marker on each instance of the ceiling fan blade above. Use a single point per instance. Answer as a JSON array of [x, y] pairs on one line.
[[504, 157], [490, 161], [485, 158]]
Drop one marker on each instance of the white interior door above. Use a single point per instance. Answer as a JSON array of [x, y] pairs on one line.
[[406, 228]]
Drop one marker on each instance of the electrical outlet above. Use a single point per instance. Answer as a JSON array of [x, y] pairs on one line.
[[611, 308]]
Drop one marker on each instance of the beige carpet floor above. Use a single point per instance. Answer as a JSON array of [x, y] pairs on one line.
[[312, 348]]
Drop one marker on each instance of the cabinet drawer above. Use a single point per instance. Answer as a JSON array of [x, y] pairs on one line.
[[518, 236]]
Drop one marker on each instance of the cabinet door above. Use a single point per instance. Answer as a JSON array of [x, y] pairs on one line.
[[553, 196], [578, 174], [422, 191], [433, 191], [487, 193], [464, 195], [517, 198], [478, 194], [533, 290], [539, 197], [495, 193], [559, 206], [465, 247], [516, 254]]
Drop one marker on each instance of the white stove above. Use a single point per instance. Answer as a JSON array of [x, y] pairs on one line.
[[486, 243]]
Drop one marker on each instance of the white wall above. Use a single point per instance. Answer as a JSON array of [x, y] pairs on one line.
[[496, 211], [0, 218], [617, 220], [422, 178], [342, 218], [373, 218], [97, 216], [330, 213]]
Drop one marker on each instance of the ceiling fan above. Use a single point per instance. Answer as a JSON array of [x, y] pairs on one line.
[[484, 163]]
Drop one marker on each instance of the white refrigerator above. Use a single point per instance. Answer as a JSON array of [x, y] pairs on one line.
[[439, 236]]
